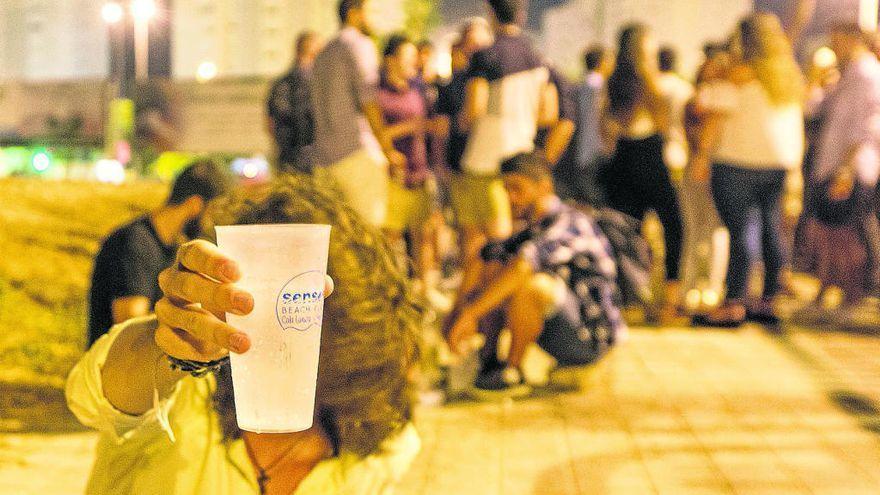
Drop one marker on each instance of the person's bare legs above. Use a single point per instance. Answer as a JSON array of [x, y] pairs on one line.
[[471, 241], [525, 313]]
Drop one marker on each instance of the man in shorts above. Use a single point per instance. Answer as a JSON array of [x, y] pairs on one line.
[[553, 283], [509, 96], [352, 150]]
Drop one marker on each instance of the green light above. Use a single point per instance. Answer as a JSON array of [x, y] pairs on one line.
[[41, 161], [16, 159]]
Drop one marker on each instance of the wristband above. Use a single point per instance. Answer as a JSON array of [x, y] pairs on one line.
[[197, 369]]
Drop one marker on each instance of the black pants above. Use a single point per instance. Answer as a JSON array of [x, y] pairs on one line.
[[737, 192], [636, 181]]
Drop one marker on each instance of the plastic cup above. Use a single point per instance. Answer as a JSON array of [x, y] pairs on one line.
[[283, 267]]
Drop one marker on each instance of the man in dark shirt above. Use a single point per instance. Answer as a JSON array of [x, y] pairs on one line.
[[125, 278], [576, 174], [290, 107], [474, 36]]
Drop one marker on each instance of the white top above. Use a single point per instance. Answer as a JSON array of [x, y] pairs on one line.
[[755, 133], [510, 124], [678, 93]]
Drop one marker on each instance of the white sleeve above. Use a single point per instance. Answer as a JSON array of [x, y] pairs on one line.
[[86, 399]]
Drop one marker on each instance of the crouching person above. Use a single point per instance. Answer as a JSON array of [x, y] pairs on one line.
[[166, 431], [552, 283]]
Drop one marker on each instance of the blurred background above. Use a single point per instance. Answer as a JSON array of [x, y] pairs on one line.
[[103, 103]]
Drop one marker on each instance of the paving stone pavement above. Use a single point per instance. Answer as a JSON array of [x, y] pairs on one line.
[[674, 411]]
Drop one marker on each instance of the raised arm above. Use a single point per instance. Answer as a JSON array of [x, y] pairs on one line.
[[199, 290]]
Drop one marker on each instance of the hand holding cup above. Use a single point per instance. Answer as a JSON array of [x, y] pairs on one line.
[[199, 289]]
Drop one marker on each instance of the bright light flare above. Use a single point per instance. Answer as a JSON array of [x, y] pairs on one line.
[[41, 161], [143, 10], [110, 171], [711, 298], [824, 58], [252, 168], [112, 12], [206, 71]]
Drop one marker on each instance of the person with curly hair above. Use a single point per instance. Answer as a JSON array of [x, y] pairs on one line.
[[166, 431]]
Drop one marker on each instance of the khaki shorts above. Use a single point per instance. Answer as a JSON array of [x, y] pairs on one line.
[[362, 178], [478, 201], [408, 209]]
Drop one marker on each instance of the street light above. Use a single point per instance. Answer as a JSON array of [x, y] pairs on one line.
[[112, 12], [142, 11], [206, 71]]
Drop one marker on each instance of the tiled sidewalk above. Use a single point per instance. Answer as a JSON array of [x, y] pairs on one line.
[[674, 411]]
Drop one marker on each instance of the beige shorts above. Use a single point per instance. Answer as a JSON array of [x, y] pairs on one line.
[[408, 209], [362, 179], [479, 201]]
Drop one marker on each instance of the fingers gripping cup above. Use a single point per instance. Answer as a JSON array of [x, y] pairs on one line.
[[283, 267]]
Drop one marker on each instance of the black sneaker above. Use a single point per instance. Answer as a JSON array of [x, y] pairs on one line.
[[491, 364], [501, 382]]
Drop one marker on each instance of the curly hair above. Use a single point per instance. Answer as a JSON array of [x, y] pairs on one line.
[[370, 337]]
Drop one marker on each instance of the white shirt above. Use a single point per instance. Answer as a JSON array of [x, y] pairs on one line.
[[852, 121], [756, 133]]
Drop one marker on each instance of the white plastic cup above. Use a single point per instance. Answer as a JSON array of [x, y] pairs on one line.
[[283, 266]]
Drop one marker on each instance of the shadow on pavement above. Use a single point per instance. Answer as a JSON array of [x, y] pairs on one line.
[[34, 409], [841, 393]]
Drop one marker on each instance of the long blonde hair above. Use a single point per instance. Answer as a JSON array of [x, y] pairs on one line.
[[768, 52]]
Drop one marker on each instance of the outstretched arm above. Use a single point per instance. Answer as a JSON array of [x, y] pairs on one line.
[[199, 290]]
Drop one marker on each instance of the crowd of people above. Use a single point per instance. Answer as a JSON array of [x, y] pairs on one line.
[[723, 162], [546, 184]]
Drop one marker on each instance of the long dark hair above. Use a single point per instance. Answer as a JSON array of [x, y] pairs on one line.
[[626, 87], [369, 339]]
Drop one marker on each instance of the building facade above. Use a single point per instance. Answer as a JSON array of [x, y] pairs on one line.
[[68, 39], [52, 39]]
